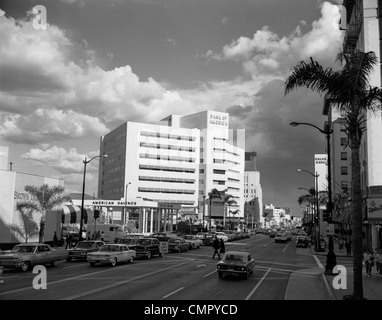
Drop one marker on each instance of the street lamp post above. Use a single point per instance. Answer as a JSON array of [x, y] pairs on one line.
[[83, 192], [328, 131], [318, 242]]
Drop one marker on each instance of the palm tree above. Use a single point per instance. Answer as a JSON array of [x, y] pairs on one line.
[[228, 201], [29, 227], [235, 212], [350, 90], [45, 198], [213, 194]]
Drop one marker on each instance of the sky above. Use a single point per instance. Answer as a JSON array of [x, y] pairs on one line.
[[100, 63]]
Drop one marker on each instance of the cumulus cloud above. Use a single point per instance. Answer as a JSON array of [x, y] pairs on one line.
[[266, 52], [49, 124], [64, 161], [43, 70]]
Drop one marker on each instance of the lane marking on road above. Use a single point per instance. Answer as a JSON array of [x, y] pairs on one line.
[[8, 277], [258, 285], [264, 245], [286, 247], [77, 277], [170, 294], [208, 274], [318, 262], [115, 284]]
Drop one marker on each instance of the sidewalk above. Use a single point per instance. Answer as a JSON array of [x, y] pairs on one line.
[[372, 287]]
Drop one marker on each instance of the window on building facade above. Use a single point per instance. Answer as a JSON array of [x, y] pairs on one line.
[[344, 155], [344, 170], [343, 141]]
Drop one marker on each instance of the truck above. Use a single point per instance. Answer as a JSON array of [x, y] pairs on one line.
[[110, 232]]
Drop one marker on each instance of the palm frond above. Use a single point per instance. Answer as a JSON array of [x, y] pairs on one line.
[[310, 75]]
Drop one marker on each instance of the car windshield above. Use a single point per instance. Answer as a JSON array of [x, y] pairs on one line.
[[23, 249], [84, 245], [109, 248], [231, 257], [143, 242], [128, 241], [188, 237]]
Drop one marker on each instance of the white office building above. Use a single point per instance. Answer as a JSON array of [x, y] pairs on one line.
[[174, 162]]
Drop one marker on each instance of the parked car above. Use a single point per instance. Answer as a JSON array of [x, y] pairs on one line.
[[288, 235], [207, 239], [302, 242], [162, 236], [177, 245], [201, 235], [26, 255], [221, 235], [238, 263], [129, 241], [81, 250], [112, 254], [272, 234], [193, 241], [146, 247], [281, 237]]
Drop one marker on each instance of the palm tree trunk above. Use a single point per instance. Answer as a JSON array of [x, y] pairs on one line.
[[356, 212], [42, 231]]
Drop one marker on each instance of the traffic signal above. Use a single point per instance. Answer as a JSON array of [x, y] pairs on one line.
[[96, 213]]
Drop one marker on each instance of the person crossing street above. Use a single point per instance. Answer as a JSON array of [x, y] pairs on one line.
[[216, 246]]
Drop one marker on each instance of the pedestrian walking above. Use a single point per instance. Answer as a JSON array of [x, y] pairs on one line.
[[341, 245], [377, 263], [68, 241], [368, 259], [55, 239], [222, 247], [380, 262], [216, 246]]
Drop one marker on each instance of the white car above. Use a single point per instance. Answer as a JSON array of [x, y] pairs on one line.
[[221, 235], [281, 237], [112, 254]]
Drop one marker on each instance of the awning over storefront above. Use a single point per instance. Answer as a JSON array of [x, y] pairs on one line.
[[72, 214]]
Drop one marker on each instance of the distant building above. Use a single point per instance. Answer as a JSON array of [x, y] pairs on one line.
[[253, 194]]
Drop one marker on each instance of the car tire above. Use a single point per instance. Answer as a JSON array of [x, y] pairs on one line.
[[149, 255], [92, 264], [220, 273], [113, 262], [25, 266], [55, 263]]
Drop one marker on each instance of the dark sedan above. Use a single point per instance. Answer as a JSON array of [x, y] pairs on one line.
[[81, 250], [236, 263], [177, 245], [146, 247]]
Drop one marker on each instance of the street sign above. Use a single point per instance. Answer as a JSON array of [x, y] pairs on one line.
[[163, 246]]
